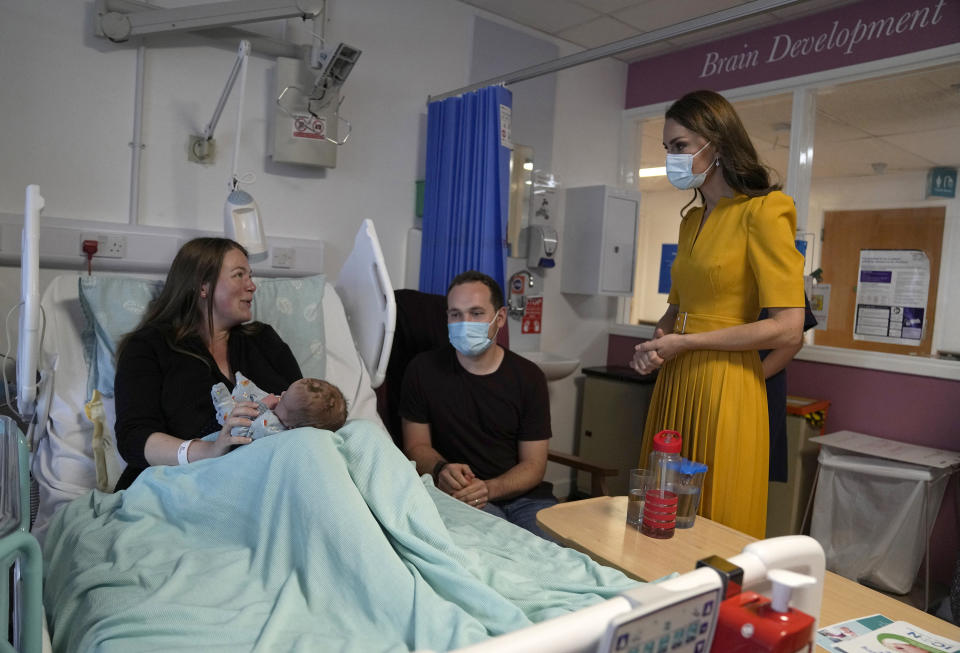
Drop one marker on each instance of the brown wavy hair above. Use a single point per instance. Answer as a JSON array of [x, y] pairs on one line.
[[179, 311], [710, 115]]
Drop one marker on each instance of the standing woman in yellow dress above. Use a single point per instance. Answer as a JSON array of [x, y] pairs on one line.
[[736, 255]]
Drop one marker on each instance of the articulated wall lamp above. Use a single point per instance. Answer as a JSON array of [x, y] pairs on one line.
[[241, 216]]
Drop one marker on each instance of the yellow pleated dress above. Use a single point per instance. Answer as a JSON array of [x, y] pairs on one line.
[[743, 259]]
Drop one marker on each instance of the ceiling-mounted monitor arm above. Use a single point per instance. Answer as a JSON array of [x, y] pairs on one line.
[[120, 20]]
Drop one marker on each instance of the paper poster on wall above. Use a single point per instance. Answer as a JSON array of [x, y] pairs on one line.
[[892, 296], [668, 252], [820, 304]]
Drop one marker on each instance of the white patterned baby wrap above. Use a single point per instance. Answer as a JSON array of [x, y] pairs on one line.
[[266, 423]]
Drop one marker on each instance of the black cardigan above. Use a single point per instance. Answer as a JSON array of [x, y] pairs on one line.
[[162, 390]]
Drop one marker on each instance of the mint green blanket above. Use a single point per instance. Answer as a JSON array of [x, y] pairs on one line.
[[304, 541]]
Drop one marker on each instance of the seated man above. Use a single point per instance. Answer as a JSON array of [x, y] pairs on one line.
[[477, 416]]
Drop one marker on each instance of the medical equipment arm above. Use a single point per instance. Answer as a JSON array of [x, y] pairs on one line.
[[119, 20]]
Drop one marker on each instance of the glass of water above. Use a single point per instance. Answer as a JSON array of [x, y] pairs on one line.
[[639, 482]]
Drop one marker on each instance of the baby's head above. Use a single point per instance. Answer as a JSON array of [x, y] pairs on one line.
[[312, 402]]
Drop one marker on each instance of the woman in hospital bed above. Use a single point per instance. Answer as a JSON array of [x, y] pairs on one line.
[[193, 336]]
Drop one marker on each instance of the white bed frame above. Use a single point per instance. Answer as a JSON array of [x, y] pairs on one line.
[[49, 348]]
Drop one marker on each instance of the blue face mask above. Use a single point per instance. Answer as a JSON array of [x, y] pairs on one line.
[[470, 338], [680, 170]]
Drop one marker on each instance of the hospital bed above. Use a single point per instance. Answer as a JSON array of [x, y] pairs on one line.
[[466, 575]]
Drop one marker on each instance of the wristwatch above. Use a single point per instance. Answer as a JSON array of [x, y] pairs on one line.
[[438, 468]]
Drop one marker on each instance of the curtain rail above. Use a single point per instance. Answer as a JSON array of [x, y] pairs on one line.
[[723, 17]]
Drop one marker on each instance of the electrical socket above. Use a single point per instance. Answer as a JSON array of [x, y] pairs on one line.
[[108, 245], [283, 257]]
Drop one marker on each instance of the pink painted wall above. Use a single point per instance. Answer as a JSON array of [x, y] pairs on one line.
[[916, 409]]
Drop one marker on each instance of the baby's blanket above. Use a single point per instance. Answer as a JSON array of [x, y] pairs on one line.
[[307, 541]]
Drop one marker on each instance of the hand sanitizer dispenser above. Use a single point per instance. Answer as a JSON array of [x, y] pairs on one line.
[[541, 246]]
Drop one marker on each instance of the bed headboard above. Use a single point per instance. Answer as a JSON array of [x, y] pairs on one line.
[[367, 295]]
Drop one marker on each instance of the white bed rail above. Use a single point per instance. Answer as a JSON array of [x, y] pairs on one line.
[[28, 350], [20, 557], [367, 295], [581, 631]]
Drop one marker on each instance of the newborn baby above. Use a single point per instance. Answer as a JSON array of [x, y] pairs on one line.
[[307, 402]]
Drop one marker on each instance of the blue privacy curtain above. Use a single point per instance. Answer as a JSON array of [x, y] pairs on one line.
[[466, 190]]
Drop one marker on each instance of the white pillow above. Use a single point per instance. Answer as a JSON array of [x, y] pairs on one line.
[[113, 306]]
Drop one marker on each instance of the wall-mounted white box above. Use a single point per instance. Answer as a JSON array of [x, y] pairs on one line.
[[599, 248]]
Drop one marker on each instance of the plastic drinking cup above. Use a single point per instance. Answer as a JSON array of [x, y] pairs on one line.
[[689, 486], [639, 483]]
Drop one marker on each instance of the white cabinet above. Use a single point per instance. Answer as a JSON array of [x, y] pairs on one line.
[[599, 240]]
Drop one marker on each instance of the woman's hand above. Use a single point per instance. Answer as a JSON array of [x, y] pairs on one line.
[[650, 355], [646, 358], [241, 415]]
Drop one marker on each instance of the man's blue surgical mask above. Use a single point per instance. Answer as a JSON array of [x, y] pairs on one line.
[[470, 338], [680, 170]]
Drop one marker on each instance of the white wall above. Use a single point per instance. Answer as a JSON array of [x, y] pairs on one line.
[[586, 145], [68, 112]]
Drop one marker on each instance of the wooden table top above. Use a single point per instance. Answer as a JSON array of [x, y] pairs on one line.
[[598, 528]]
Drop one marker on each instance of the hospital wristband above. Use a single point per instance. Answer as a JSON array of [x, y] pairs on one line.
[[182, 452]]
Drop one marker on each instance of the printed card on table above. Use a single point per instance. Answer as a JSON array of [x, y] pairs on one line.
[[829, 637], [898, 636]]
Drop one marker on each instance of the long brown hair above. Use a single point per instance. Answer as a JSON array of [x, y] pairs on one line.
[[179, 311], [710, 115]]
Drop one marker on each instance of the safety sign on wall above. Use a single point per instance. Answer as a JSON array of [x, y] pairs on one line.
[[532, 315], [307, 126]]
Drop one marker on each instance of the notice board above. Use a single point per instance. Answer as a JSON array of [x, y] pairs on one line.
[[845, 234]]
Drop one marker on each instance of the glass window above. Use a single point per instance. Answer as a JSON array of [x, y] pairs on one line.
[[875, 141]]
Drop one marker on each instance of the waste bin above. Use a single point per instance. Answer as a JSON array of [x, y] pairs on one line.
[[873, 516]]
